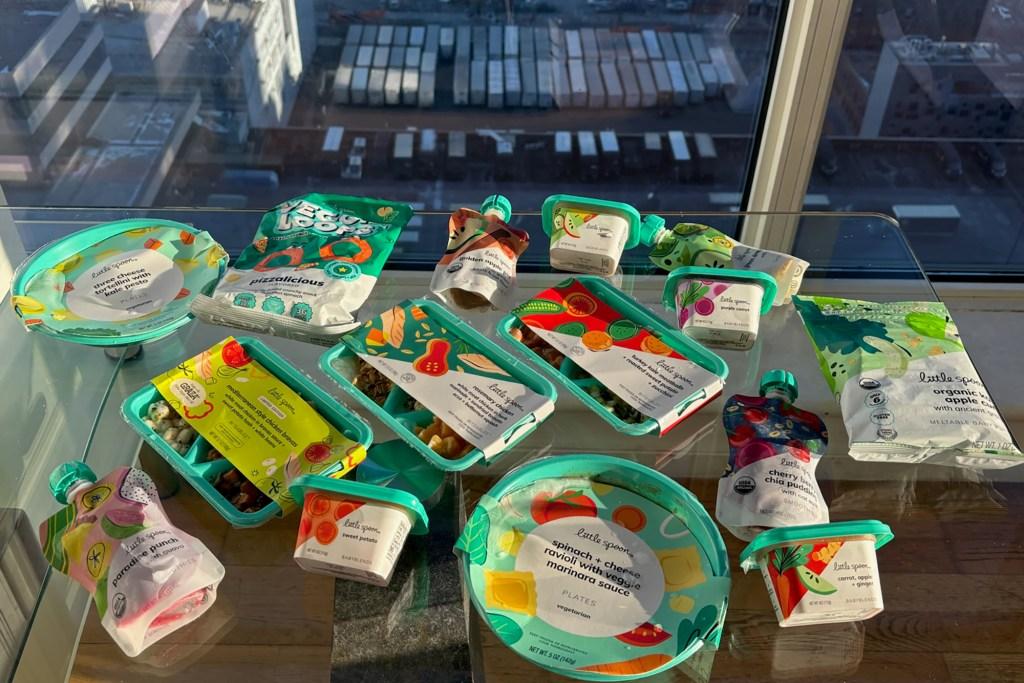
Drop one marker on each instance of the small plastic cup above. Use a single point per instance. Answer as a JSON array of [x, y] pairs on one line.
[[822, 573], [589, 235], [719, 307], [352, 530]]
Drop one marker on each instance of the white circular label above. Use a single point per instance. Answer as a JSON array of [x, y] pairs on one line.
[[593, 578], [126, 286]]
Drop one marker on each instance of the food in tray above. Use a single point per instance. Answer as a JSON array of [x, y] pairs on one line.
[[820, 574], [147, 577], [313, 262], [478, 268], [906, 386], [240, 492], [440, 385], [252, 417], [693, 244], [774, 449], [171, 427], [605, 346], [354, 530], [610, 565], [443, 440]]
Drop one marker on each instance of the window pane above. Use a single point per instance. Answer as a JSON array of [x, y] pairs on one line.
[[925, 124], [243, 103]]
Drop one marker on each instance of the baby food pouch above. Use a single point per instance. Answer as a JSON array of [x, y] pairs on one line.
[[774, 449], [255, 420], [311, 265], [692, 244], [117, 283], [147, 578], [478, 268], [906, 386]]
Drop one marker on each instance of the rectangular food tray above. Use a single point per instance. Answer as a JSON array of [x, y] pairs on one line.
[[576, 380], [200, 474], [340, 365]]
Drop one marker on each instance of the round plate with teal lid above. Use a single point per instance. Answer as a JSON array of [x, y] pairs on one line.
[[117, 284], [596, 568]]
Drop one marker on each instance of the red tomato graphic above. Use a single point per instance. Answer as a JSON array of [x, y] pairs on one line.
[[317, 452], [546, 508], [644, 635], [326, 532]]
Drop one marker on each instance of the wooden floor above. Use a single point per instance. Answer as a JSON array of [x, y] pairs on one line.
[[952, 582]]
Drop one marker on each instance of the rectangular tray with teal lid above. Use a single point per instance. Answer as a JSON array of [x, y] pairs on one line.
[[426, 344], [577, 381], [201, 474]]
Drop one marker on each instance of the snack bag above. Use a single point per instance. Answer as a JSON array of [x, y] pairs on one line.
[[311, 265], [774, 449], [255, 420], [692, 244], [906, 386], [147, 578], [478, 268]]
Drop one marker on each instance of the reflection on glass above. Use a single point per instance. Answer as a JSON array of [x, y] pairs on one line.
[[243, 103], [924, 124]]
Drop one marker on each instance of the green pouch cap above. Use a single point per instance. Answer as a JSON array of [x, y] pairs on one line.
[[780, 380], [499, 205], [367, 492], [813, 532], [68, 474]]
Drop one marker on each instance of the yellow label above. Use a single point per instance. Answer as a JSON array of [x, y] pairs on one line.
[[258, 423]]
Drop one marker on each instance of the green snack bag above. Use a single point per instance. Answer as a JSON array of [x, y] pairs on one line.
[[906, 386], [312, 263]]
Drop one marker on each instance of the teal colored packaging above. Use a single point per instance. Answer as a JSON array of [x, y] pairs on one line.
[[202, 473], [589, 235], [118, 283], [313, 262], [596, 568], [595, 329], [439, 368]]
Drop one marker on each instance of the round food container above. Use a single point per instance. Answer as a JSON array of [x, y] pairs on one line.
[[821, 573], [117, 284], [719, 307], [596, 568], [351, 530]]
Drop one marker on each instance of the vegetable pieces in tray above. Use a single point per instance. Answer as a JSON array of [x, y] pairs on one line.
[[621, 360], [448, 391]]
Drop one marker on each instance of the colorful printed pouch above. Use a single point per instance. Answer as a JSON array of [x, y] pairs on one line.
[[906, 386], [312, 263]]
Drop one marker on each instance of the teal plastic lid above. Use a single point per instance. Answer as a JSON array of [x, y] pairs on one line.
[[499, 205], [65, 476], [395, 465], [630, 214], [780, 380], [368, 492], [767, 282], [813, 532]]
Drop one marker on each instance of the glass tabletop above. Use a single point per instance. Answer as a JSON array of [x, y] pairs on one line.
[[954, 530]]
